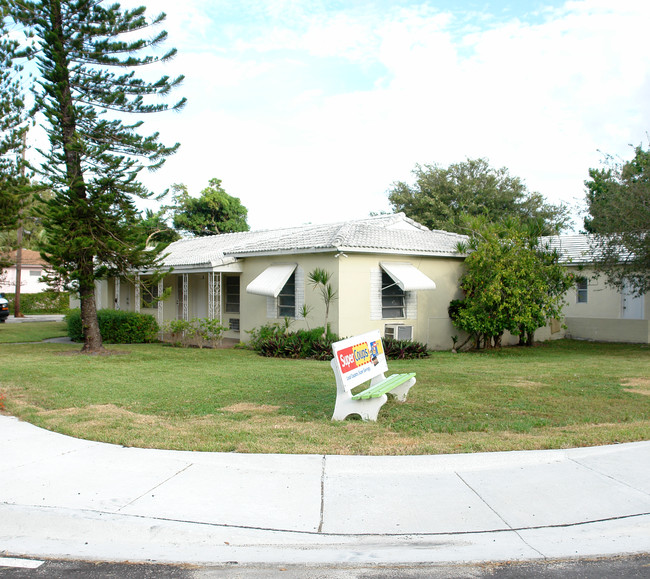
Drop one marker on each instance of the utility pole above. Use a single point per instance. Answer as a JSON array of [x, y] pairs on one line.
[[19, 240]]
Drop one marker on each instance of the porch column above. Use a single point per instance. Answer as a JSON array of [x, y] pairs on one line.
[[186, 315], [214, 295], [98, 294], [160, 312], [117, 293], [137, 293]]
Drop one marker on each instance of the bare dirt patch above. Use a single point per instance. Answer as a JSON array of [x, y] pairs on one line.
[[103, 353], [637, 386], [527, 384], [248, 407]]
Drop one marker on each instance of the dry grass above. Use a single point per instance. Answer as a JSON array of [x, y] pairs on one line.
[[557, 396], [637, 386]]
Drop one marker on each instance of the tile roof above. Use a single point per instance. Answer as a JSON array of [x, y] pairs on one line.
[[28, 256], [381, 234], [576, 249]]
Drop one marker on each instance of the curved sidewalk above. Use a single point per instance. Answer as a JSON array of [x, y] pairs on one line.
[[70, 498]]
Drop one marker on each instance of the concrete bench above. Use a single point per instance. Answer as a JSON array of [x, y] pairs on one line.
[[361, 359]]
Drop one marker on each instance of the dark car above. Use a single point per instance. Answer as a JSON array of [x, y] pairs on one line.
[[4, 309]]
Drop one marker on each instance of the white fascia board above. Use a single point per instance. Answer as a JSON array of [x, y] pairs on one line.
[[408, 277], [285, 252], [403, 252], [207, 267], [271, 281]]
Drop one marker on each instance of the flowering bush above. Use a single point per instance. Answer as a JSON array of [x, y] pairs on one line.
[[196, 332]]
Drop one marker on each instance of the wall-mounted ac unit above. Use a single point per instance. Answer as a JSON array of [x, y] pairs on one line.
[[398, 331]]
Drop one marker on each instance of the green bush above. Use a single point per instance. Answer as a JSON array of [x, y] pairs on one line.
[[196, 332], [404, 349], [47, 302], [275, 341], [116, 327]]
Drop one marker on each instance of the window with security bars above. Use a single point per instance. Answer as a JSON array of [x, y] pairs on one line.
[[287, 299], [393, 298], [232, 295]]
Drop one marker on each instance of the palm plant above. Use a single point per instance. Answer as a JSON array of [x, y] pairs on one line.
[[321, 279]]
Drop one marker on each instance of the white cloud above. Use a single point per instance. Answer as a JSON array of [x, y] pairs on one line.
[[309, 113]]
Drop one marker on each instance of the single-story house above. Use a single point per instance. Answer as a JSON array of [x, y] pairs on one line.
[[31, 270], [595, 310], [389, 272]]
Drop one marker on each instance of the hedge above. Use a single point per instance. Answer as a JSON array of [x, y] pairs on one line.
[[116, 327], [47, 302]]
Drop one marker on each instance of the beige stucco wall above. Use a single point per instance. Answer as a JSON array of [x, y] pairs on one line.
[[254, 307], [431, 325], [602, 317], [351, 313]]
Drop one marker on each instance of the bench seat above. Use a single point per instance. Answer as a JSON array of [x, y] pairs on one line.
[[383, 387], [359, 360]]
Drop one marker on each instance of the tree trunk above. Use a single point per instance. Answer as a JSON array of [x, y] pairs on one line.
[[72, 153], [89, 324], [530, 338]]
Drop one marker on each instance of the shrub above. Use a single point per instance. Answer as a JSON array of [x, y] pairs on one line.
[[275, 341], [404, 349], [116, 327], [196, 332], [46, 302]]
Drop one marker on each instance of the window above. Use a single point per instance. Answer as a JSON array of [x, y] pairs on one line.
[[392, 298], [582, 290], [287, 299], [149, 293], [233, 324], [232, 295]]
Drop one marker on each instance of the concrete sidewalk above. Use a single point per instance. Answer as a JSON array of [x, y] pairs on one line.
[[64, 497], [35, 318]]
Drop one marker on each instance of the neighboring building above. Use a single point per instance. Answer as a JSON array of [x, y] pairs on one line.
[[32, 269], [595, 310]]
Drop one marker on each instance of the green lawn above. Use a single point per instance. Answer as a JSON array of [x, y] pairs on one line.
[[31, 331], [556, 395]]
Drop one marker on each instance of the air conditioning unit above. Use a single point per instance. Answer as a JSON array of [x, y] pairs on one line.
[[398, 331]]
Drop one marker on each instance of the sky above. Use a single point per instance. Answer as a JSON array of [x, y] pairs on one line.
[[309, 110]]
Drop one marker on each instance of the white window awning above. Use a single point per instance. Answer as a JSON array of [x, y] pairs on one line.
[[271, 281], [408, 277]]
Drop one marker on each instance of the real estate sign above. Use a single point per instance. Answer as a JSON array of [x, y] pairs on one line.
[[360, 358]]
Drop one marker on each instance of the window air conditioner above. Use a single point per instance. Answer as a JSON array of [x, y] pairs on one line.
[[398, 331]]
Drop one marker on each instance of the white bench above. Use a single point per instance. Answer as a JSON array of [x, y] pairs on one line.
[[357, 360]]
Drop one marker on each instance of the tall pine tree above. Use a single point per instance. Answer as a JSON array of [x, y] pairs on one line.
[[12, 128], [86, 59]]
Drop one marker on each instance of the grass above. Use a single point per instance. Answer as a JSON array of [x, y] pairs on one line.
[[31, 331], [560, 394]]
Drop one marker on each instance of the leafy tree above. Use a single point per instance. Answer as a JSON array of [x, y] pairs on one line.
[[213, 212], [154, 227], [86, 55], [440, 197], [510, 283], [618, 201]]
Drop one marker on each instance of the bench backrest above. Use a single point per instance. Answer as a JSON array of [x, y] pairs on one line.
[[358, 359]]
